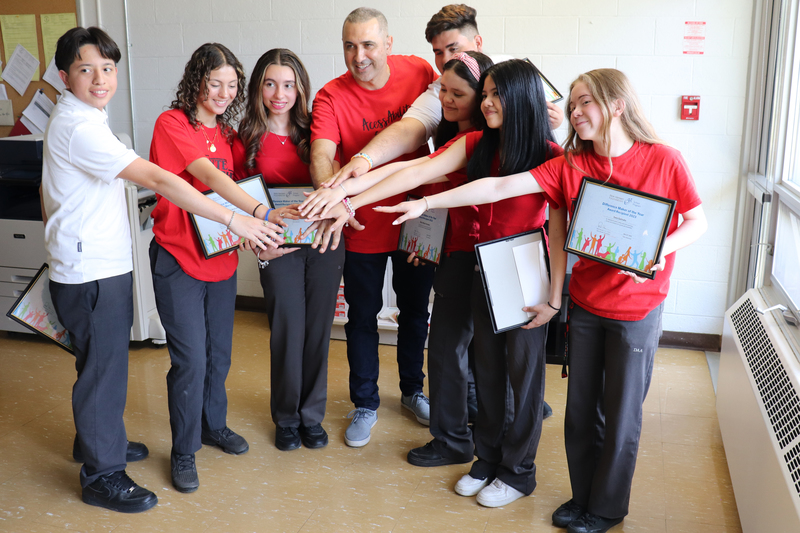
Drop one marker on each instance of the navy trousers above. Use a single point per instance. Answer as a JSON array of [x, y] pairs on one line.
[[99, 316], [363, 283], [198, 318]]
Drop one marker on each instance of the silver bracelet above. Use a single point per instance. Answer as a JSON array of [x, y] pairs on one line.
[[342, 186], [230, 221], [262, 264]]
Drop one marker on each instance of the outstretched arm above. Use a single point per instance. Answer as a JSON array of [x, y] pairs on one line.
[[482, 191], [327, 195], [180, 193], [400, 138]]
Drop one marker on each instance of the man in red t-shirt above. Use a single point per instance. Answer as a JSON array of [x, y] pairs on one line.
[[349, 111]]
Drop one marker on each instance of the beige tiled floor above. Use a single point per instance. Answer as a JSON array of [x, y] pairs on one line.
[[681, 484]]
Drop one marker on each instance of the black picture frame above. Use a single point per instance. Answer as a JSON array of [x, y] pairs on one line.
[[630, 217], [501, 278], [34, 310], [209, 231]]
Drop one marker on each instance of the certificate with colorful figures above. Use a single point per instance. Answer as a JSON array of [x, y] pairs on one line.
[[215, 238], [292, 195], [620, 227], [34, 310], [424, 236]]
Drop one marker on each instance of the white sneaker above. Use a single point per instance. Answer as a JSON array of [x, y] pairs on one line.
[[498, 494], [469, 486]]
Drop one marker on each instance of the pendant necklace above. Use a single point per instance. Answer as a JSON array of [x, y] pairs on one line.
[[210, 144], [283, 142]]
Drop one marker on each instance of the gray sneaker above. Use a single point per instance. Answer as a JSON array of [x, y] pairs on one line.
[[357, 433], [420, 405]]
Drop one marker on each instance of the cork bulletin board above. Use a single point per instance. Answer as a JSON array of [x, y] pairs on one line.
[[38, 8]]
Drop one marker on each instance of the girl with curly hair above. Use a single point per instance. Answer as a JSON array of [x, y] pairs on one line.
[[299, 289], [195, 296]]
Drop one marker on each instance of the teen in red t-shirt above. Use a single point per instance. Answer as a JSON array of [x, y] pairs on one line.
[[299, 289], [513, 101], [195, 296], [615, 320]]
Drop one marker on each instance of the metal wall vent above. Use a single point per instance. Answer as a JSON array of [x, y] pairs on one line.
[[793, 462], [776, 389]]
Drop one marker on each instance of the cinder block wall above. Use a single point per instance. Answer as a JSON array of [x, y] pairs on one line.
[[563, 37]]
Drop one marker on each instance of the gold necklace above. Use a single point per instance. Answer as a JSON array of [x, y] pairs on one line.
[[210, 144]]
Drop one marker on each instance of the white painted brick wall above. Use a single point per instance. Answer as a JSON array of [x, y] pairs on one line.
[[643, 38]]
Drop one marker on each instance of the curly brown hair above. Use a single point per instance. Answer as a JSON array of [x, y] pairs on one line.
[[255, 122], [204, 60]]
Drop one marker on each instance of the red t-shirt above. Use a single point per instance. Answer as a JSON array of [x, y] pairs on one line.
[[351, 116], [513, 215], [463, 230], [652, 168], [278, 163], [175, 145]]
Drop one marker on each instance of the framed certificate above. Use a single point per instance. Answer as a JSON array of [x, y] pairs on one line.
[[216, 238], [551, 94], [34, 310], [620, 227], [516, 273], [284, 196], [424, 235]]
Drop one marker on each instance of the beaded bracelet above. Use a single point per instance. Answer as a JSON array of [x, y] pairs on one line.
[[551, 306], [349, 206], [362, 155], [230, 221], [256, 209]]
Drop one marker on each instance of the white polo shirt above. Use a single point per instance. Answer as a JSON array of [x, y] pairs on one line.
[[428, 109], [87, 235]]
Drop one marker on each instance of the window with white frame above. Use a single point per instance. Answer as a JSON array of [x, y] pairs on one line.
[[773, 161]]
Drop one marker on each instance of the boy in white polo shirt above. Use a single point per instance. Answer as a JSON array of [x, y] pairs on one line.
[[88, 244]]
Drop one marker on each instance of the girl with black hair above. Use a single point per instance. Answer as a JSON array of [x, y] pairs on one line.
[[516, 137]]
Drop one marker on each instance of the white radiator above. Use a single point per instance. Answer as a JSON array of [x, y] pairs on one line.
[[758, 407]]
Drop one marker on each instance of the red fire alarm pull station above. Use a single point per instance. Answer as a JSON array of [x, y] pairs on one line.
[[690, 107]]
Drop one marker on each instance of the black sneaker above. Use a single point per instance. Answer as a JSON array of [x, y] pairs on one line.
[[435, 454], [287, 439], [314, 436], [184, 472], [591, 523], [118, 492], [226, 439], [136, 452], [567, 513]]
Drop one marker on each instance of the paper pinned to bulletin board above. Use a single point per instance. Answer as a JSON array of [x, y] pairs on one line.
[[51, 18], [20, 30], [54, 25]]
